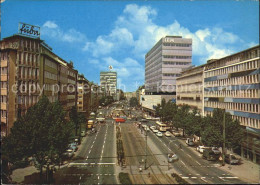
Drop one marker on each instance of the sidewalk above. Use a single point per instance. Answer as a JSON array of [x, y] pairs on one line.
[[19, 174], [247, 171]]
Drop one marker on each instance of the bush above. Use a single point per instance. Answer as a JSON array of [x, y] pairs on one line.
[[124, 178]]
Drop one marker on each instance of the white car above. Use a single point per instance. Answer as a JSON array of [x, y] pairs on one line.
[[159, 134], [200, 149], [155, 131], [168, 134], [152, 127]]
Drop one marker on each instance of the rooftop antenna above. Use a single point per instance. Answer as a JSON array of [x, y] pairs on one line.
[[110, 67]]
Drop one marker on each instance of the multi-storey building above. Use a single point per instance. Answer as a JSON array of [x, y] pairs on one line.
[[190, 88], [164, 63], [108, 83], [83, 103], [20, 78], [232, 83], [30, 69], [71, 86]]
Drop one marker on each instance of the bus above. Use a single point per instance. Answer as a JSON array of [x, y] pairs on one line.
[[162, 126], [121, 120]]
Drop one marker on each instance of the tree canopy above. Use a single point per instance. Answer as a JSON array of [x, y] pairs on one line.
[[42, 133]]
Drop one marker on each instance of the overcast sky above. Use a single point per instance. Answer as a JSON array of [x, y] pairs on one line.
[[96, 34]]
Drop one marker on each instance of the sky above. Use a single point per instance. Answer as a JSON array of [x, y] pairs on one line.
[[96, 34]]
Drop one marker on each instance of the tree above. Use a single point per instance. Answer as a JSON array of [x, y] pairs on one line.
[[74, 118], [133, 102], [42, 133], [213, 132], [183, 119]]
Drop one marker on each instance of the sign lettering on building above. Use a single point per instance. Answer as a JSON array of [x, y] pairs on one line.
[[29, 30], [13, 45], [168, 40]]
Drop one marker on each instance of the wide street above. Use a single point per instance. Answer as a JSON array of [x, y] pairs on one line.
[[96, 160]]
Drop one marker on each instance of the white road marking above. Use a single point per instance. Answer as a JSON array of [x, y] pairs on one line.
[[194, 177], [183, 163], [203, 178], [189, 155], [198, 162], [185, 177]]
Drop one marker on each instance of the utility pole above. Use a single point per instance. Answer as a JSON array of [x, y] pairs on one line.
[[224, 138]]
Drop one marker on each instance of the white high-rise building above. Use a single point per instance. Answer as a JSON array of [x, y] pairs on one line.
[[164, 63], [108, 83]]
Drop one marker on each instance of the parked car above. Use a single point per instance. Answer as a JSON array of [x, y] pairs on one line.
[[176, 134], [155, 130], [201, 148], [152, 127], [216, 150], [231, 159], [190, 142], [69, 153], [159, 134], [168, 134], [83, 133], [210, 155], [73, 146]]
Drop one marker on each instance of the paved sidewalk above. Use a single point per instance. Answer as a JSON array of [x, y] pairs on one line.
[[247, 171]]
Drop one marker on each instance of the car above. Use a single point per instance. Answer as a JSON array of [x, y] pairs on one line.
[[201, 148], [172, 158], [210, 155], [216, 150], [83, 133], [231, 159], [168, 134], [176, 134], [152, 127], [73, 146], [69, 153], [155, 130], [159, 134], [190, 142]]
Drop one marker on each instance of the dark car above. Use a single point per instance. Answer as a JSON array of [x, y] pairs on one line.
[[231, 159], [210, 155]]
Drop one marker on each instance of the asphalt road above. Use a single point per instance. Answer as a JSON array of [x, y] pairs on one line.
[[95, 162], [191, 166]]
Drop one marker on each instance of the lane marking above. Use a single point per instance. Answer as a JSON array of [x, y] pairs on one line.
[[203, 178], [198, 162], [185, 177], [189, 155], [194, 177], [183, 163]]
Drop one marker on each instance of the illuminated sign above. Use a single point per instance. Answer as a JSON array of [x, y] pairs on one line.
[[29, 30]]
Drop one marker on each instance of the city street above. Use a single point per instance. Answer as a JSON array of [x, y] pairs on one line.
[[96, 160]]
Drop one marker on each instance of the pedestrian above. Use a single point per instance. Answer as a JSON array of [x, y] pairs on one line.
[[179, 146], [149, 175]]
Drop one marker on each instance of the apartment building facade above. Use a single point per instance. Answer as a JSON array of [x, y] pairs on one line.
[[108, 83], [83, 104], [29, 69], [164, 63], [190, 88], [232, 83]]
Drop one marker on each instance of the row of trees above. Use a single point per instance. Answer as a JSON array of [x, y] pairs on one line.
[[209, 128], [106, 100], [42, 133], [133, 102]]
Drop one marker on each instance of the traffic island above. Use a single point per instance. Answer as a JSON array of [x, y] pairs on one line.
[[120, 148]]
